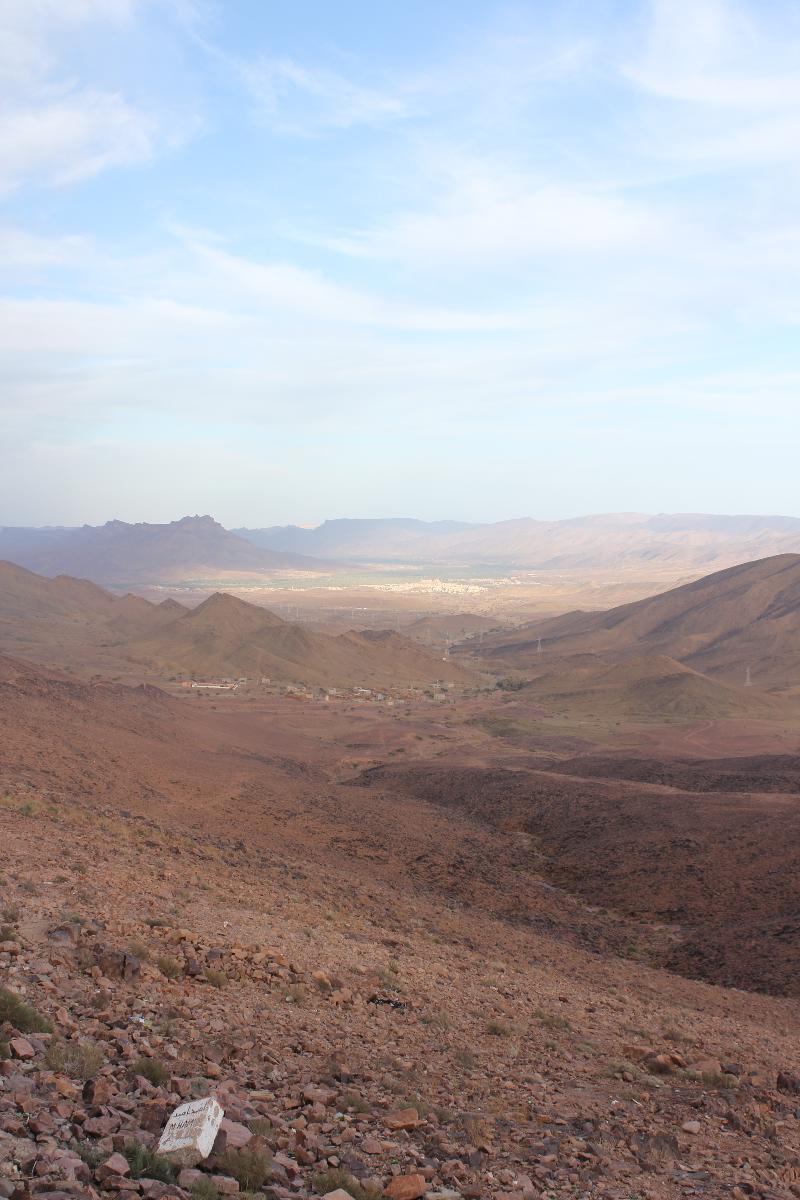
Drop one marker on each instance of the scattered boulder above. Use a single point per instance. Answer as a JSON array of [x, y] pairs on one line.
[[113, 1168], [402, 1118], [21, 1048], [407, 1187]]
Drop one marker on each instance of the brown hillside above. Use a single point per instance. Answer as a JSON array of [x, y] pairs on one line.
[[745, 616], [225, 636], [202, 889], [439, 629], [707, 863], [47, 617], [650, 688]]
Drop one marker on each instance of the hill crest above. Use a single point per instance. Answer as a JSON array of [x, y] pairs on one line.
[[747, 616]]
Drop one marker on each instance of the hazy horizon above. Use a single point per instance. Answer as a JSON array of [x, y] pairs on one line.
[[497, 257], [405, 516]]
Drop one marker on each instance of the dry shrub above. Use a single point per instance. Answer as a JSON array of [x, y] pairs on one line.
[[151, 1069], [250, 1167], [169, 966], [21, 1015], [81, 1060]]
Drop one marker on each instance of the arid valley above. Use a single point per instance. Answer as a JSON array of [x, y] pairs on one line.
[[475, 904], [399, 600]]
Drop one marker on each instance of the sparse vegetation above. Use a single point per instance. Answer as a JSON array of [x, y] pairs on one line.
[[713, 1079], [89, 1154], [249, 1167], [439, 1019], [145, 1164], [80, 1060], [204, 1189], [551, 1020], [676, 1035], [355, 1102], [169, 966], [152, 1069], [511, 685], [259, 1126], [330, 1181], [466, 1059], [497, 1028], [21, 1015], [217, 979]]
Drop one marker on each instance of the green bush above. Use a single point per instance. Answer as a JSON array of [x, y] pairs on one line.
[[145, 1164], [204, 1189], [249, 1167], [152, 1069], [330, 1181], [19, 1014], [90, 1154]]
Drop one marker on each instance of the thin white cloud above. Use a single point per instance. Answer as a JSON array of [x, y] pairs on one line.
[[714, 52], [492, 214], [19, 248], [726, 81], [29, 30], [288, 289], [72, 139], [505, 249], [54, 128], [299, 99]]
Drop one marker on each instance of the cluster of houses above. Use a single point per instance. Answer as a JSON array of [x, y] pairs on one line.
[[437, 692], [221, 685]]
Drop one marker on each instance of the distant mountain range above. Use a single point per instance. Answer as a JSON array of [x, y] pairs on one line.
[[684, 541], [119, 554]]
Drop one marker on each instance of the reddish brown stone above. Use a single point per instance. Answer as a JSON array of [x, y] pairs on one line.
[[407, 1187]]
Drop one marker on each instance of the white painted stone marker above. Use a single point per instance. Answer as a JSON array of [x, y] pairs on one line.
[[189, 1134]]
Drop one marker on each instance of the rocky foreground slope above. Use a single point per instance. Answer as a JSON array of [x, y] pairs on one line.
[[404, 1048], [386, 993]]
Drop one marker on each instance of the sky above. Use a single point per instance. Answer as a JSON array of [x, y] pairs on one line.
[[451, 259]]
